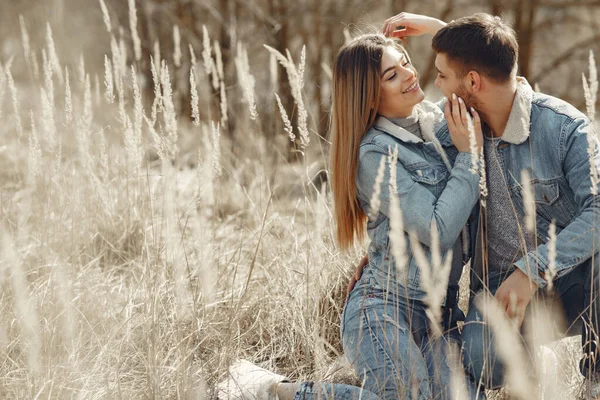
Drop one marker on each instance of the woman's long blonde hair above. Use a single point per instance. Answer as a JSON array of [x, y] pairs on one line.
[[355, 101]]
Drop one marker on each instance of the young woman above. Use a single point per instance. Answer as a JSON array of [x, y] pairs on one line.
[[380, 118]]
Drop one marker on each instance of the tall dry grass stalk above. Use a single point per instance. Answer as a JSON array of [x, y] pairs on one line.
[[23, 303], [194, 97], [169, 113], [216, 149], [287, 124], [375, 202], [397, 237], [138, 121], [176, 46], [49, 126], [206, 51], [48, 81], [137, 43], [105, 16], [223, 105], [26, 42], [3, 81], [296, 78], [109, 86], [528, 201], [434, 277], [246, 79], [550, 273], [590, 91], [35, 153], [52, 55], [508, 348], [68, 99], [15, 102], [157, 102]]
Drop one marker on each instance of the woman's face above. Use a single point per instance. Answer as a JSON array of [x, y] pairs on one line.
[[400, 90]]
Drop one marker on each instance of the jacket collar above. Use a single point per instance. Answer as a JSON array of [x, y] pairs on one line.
[[518, 126], [431, 122], [387, 126]]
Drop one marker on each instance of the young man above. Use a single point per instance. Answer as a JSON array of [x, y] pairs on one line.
[[548, 138]]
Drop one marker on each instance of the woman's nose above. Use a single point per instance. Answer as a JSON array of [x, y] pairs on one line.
[[408, 74]]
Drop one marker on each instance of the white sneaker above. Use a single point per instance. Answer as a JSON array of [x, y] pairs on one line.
[[248, 381]]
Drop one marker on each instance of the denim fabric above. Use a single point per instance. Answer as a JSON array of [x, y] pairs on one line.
[[575, 296], [332, 391], [554, 150], [387, 340], [429, 192]]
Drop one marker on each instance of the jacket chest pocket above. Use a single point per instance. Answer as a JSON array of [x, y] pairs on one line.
[[551, 202], [433, 177]]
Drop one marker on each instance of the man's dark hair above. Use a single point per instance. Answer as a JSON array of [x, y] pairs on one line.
[[481, 43]]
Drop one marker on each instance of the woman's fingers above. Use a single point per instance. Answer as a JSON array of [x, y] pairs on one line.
[[463, 112], [448, 115], [455, 109]]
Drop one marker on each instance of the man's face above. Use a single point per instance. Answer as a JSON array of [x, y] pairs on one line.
[[449, 81]]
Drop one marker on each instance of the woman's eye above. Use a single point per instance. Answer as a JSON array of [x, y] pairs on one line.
[[391, 77], [406, 63]]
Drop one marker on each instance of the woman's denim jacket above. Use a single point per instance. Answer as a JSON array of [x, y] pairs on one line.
[[554, 142], [427, 190]]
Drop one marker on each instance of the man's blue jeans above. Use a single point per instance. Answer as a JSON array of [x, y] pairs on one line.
[[575, 294]]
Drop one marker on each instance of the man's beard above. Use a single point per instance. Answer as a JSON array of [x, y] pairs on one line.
[[468, 98]]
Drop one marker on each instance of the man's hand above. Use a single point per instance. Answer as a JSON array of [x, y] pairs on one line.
[[412, 25], [514, 295], [357, 274]]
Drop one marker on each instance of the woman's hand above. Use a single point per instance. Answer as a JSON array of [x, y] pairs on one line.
[[357, 274], [414, 25], [457, 118]]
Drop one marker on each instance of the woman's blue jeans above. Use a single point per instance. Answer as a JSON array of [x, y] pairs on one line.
[[387, 340]]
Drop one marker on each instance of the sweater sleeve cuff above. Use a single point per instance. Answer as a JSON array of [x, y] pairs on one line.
[[534, 267]]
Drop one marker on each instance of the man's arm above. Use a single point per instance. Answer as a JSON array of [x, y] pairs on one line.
[[578, 241]]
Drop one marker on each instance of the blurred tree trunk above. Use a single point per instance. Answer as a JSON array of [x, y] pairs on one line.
[[496, 7], [396, 7], [525, 12], [279, 10], [228, 9], [428, 76]]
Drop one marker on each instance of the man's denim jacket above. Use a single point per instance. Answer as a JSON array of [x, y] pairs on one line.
[[550, 139], [428, 192]]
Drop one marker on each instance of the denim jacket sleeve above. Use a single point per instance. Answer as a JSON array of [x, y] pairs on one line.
[[578, 241], [420, 207]]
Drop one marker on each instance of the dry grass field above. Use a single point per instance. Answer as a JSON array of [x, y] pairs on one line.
[[141, 251]]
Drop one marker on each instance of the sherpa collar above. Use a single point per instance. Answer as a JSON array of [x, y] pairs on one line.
[[430, 119], [518, 125]]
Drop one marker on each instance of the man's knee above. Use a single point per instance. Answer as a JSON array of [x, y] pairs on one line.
[[479, 357]]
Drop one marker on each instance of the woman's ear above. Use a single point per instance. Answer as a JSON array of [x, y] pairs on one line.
[[474, 81]]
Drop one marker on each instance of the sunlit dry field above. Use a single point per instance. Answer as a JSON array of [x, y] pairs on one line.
[[143, 249]]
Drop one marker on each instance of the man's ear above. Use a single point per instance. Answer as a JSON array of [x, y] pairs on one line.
[[473, 81]]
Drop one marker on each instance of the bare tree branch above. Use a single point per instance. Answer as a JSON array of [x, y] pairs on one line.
[[565, 4], [565, 56]]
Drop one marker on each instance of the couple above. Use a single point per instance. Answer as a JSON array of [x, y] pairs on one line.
[[378, 110]]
